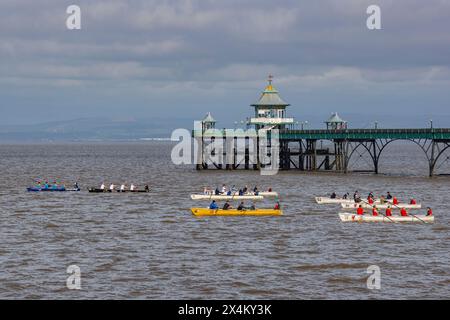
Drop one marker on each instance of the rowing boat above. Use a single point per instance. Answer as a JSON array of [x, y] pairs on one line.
[[95, 190], [234, 212], [348, 217], [366, 205], [59, 189], [225, 197], [326, 200], [268, 194]]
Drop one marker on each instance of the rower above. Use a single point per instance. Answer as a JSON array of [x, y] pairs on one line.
[[227, 206], [345, 197], [360, 210], [269, 190], [241, 192], [241, 206], [255, 191], [382, 200], [146, 188], [356, 196], [213, 205], [389, 196], [122, 188], [132, 187], [370, 200], [252, 207], [245, 190], [205, 191], [413, 201], [333, 195], [429, 212], [395, 200], [224, 189], [217, 191], [403, 212], [277, 206], [370, 195], [111, 187], [102, 187], [76, 186], [374, 211], [388, 211]]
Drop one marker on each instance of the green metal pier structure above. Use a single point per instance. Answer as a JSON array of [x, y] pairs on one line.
[[303, 149]]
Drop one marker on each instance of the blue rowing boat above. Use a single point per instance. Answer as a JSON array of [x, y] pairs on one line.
[[51, 189]]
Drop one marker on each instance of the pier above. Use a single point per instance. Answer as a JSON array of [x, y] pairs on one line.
[[303, 149]]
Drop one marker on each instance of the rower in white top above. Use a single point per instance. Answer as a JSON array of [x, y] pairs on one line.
[[102, 187], [111, 187], [122, 188], [132, 187]]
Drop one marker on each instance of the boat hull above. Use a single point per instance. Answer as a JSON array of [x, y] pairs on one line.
[[348, 217], [233, 212], [381, 206], [325, 200]]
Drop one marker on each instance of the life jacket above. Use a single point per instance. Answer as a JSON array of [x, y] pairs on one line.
[[403, 213], [395, 201], [360, 211], [388, 212], [370, 200], [374, 212]]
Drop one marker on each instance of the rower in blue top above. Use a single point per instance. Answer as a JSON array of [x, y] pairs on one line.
[[213, 205]]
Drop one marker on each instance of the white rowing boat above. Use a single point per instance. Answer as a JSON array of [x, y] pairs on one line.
[[225, 197], [349, 217], [268, 194], [366, 205], [327, 200]]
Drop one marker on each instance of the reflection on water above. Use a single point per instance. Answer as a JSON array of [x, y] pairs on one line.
[[150, 246]]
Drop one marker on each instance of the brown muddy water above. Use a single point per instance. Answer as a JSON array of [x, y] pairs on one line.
[[149, 246]]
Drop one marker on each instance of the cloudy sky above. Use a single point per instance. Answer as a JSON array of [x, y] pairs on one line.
[[139, 59]]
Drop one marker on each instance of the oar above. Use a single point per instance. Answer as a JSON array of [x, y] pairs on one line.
[[410, 214], [379, 212]]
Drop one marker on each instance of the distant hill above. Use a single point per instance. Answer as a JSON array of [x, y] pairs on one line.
[[93, 129]]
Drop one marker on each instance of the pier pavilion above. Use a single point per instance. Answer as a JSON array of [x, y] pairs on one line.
[[302, 149]]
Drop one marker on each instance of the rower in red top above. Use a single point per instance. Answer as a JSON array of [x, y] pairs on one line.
[[360, 211], [395, 201], [429, 212], [389, 211], [413, 201], [370, 200], [403, 212], [375, 211]]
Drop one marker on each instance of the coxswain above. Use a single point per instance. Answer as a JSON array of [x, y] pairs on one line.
[[360, 211], [111, 187], [388, 211], [395, 200], [370, 195], [389, 196], [429, 212], [413, 201], [370, 200], [241, 206], [374, 211], [213, 205], [102, 187], [277, 206], [333, 195], [227, 206], [403, 212]]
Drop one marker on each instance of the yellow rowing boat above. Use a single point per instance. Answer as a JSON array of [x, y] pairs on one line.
[[234, 212]]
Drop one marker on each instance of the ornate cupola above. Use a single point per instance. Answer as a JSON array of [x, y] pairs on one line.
[[336, 123], [270, 109], [208, 122]]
